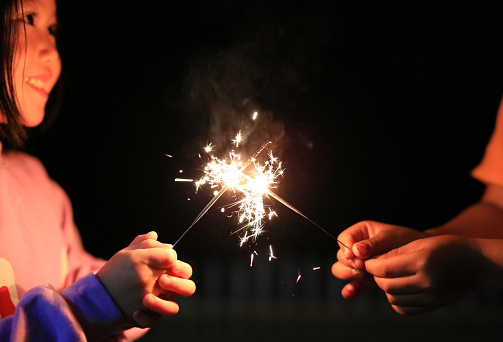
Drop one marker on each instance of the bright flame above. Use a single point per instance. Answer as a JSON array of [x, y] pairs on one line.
[[250, 187], [238, 139], [208, 148]]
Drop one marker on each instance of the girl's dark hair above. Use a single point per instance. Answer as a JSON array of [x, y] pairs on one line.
[[12, 132]]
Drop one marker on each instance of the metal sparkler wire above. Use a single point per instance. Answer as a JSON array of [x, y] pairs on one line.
[[205, 209], [221, 192], [288, 205]]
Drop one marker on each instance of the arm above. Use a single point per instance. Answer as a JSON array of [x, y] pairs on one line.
[[83, 310], [368, 239], [145, 275], [483, 219]]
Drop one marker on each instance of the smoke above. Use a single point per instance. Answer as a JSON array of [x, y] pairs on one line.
[[268, 68]]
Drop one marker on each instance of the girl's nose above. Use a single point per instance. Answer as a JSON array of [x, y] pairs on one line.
[[48, 51]]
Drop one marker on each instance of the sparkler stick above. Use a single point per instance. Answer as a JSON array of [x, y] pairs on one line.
[[288, 205], [205, 209], [221, 192]]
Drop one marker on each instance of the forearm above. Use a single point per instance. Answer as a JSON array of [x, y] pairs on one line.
[[83, 311], [481, 220]]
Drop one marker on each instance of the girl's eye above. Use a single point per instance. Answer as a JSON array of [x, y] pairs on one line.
[[53, 29], [29, 18]]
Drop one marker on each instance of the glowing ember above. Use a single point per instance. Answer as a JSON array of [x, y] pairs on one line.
[[298, 277], [271, 254], [208, 148], [316, 268], [238, 139]]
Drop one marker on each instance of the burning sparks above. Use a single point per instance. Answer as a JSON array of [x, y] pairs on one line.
[[271, 254], [238, 139], [249, 187], [208, 148]]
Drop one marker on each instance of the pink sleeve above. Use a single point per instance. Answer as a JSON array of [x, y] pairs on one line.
[[80, 262]]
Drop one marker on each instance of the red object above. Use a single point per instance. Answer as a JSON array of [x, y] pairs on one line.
[[7, 308]]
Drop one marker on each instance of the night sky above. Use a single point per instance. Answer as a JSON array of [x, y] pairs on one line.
[[377, 111]]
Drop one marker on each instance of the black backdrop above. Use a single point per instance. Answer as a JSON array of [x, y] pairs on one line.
[[386, 110]]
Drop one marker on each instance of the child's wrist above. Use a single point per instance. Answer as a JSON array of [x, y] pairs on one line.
[[112, 297]]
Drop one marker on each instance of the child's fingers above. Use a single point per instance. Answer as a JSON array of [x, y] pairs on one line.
[[158, 257], [180, 287], [149, 243], [150, 235], [358, 286], [161, 306], [180, 269], [344, 272]]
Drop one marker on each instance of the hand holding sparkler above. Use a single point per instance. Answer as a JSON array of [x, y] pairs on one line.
[[365, 240], [417, 271], [145, 276]]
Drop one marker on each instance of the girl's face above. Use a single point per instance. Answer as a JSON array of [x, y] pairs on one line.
[[37, 64]]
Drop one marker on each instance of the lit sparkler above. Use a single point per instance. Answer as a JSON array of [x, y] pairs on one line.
[[225, 174], [230, 174], [251, 187]]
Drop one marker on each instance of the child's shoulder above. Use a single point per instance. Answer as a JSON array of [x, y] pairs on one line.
[[24, 163]]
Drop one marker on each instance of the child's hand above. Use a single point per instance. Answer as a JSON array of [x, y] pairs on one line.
[[131, 275], [174, 283], [365, 240], [429, 273]]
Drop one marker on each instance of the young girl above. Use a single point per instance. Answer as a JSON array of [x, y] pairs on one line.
[[48, 288]]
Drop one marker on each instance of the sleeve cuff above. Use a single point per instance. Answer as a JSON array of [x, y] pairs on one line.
[[94, 308]]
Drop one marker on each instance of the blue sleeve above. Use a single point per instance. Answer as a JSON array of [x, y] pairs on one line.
[[83, 311]]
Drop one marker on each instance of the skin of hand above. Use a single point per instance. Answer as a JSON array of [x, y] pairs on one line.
[[146, 275], [429, 273], [365, 240], [176, 283]]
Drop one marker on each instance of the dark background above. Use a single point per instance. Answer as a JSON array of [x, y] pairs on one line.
[[383, 112]]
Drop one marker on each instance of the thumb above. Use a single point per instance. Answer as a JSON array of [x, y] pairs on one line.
[[149, 236], [379, 244]]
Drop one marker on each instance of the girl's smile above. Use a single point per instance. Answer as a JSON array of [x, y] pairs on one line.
[[37, 64]]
